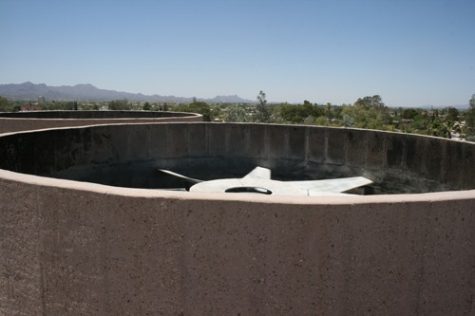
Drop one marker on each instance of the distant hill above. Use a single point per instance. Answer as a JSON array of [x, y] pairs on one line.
[[88, 92]]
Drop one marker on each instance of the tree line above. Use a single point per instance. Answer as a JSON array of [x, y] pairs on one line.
[[366, 112]]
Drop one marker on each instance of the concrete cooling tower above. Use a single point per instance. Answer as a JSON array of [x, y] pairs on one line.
[[104, 220]]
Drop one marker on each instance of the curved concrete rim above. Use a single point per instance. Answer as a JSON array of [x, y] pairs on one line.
[[254, 198], [98, 119], [92, 124], [158, 193], [36, 120]]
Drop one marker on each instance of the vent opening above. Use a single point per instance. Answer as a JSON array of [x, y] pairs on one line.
[[248, 190]]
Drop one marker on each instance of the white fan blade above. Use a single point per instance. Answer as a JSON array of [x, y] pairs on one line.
[[258, 173], [316, 187], [193, 180]]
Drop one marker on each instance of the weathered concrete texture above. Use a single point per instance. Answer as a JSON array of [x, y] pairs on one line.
[[72, 252], [23, 121], [76, 248]]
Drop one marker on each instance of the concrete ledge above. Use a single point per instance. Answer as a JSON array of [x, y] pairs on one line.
[[81, 251], [22, 121]]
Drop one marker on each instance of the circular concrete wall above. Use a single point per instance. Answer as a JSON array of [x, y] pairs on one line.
[[130, 155], [73, 247], [20, 121]]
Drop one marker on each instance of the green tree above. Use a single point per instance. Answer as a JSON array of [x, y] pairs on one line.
[[200, 107], [409, 114], [119, 105], [89, 106], [368, 112], [451, 121], [147, 107], [322, 120], [4, 105], [452, 115], [262, 109], [301, 113], [236, 113], [470, 120], [372, 102]]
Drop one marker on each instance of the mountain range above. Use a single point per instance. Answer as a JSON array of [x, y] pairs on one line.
[[88, 92]]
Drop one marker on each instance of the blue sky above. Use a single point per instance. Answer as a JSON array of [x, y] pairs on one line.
[[409, 52]]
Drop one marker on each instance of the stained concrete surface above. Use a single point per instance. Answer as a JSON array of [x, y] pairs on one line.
[[78, 248], [76, 252]]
